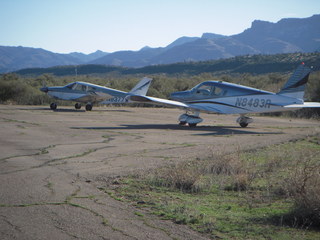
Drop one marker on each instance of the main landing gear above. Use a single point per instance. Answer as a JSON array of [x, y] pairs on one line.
[[191, 120], [53, 106], [88, 106], [244, 121], [77, 106]]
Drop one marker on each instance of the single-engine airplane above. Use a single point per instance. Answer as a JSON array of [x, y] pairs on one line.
[[83, 92], [228, 98]]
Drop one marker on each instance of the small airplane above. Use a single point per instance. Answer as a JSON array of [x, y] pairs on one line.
[[228, 98], [83, 92]]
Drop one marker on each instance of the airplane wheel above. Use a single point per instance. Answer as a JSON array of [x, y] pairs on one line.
[[243, 124], [88, 107], [77, 106], [192, 124], [182, 123], [53, 106]]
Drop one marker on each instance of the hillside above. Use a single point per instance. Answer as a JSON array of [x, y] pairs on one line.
[[15, 58], [254, 64]]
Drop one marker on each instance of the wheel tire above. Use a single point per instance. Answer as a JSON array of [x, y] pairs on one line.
[[192, 124], [77, 106], [243, 125], [88, 107], [182, 123], [53, 106]]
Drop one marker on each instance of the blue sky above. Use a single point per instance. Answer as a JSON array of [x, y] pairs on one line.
[[65, 26]]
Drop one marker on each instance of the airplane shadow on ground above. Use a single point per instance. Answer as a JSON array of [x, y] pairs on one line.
[[200, 130], [75, 110], [57, 110]]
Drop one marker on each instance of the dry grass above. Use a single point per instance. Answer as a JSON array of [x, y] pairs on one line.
[[290, 171], [182, 176]]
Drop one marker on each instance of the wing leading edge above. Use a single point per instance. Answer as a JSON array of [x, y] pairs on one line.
[[160, 101]]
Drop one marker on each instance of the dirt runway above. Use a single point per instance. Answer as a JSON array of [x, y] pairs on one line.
[[52, 164]]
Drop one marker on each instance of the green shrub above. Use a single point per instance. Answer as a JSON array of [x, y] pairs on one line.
[[303, 186]]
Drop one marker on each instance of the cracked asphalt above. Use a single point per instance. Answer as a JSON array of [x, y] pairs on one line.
[[55, 165]]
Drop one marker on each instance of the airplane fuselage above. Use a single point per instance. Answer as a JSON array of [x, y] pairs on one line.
[[83, 92], [228, 98]]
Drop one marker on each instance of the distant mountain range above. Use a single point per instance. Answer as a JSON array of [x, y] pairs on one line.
[[286, 36]]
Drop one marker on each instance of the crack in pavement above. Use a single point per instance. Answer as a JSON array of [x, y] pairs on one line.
[[5, 219], [68, 201], [44, 150], [49, 163], [41, 151]]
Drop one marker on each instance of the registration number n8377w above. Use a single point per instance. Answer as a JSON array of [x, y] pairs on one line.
[[253, 102]]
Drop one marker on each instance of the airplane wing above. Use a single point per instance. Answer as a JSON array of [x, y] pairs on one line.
[[158, 101], [171, 103]]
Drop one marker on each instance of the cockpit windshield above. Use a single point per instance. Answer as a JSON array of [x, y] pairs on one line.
[[77, 86], [208, 89]]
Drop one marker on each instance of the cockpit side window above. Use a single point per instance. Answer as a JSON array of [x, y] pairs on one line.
[[80, 87], [217, 91], [71, 86], [91, 89]]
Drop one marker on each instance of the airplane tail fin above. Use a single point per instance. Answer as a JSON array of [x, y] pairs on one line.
[[295, 85], [142, 87]]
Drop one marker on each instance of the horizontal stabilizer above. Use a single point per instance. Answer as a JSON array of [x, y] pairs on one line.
[[304, 105]]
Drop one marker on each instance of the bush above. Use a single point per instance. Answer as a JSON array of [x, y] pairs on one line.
[[181, 176], [303, 186]]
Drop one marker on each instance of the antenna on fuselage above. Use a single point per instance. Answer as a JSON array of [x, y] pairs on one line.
[[76, 70]]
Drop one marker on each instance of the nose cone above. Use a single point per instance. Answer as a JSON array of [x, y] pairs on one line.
[[44, 89], [180, 96]]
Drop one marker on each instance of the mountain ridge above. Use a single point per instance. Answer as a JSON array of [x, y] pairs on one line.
[[285, 36], [263, 37]]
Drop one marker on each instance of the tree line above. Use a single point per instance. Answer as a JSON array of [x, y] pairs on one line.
[[24, 88]]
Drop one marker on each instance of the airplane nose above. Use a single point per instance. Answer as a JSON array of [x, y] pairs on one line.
[[44, 89]]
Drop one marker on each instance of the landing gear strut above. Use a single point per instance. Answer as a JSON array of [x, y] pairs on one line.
[[244, 121]]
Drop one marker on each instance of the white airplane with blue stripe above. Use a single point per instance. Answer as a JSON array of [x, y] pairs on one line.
[[88, 93], [228, 98]]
